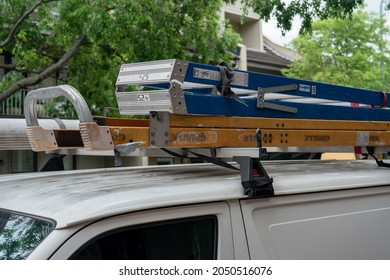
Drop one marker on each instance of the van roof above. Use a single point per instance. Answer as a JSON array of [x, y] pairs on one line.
[[71, 197]]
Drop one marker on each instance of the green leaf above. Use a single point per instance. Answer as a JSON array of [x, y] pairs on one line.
[[344, 51]]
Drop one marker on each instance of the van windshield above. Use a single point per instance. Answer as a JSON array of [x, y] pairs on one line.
[[20, 235]]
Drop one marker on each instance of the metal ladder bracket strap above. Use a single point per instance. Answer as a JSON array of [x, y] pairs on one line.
[[261, 103], [269, 105], [178, 101], [277, 88], [159, 129]]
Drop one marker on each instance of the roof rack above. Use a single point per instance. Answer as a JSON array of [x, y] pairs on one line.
[[196, 106], [193, 105]]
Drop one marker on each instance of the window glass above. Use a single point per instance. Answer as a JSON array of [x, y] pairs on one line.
[[22, 161], [20, 235], [189, 239]]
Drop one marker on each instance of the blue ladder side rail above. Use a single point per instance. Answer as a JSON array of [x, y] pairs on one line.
[[219, 105], [305, 87]]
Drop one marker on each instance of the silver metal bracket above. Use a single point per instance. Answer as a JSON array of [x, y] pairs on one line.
[[261, 103], [159, 129]]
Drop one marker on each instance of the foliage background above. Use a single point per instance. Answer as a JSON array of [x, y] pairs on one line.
[[83, 42], [347, 52], [91, 39]]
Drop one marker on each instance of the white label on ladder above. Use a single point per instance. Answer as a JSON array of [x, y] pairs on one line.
[[305, 88], [206, 74], [313, 90], [241, 79], [125, 78], [143, 97], [362, 138]]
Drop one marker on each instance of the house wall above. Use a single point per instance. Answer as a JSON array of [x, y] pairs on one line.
[[250, 29]]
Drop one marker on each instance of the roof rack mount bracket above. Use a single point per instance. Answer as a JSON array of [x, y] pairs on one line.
[[254, 177]]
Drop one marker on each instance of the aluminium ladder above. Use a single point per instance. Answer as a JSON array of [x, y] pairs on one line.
[[193, 105]]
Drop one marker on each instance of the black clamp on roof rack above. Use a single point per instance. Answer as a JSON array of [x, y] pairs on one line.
[[254, 178]]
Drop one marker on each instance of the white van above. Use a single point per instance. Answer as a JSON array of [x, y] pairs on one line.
[[279, 210], [311, 210]]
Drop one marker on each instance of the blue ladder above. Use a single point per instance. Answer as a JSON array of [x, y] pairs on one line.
[[182, 87]]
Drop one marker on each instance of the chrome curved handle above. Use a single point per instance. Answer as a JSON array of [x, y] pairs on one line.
[[77, 100]]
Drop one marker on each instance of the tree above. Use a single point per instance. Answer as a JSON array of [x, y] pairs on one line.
[[307, 10], [347, 52], [92, 38]]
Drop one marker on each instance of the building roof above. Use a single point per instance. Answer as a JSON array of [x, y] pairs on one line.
[[272, 60], [279, 50], [72, 197], [268, 58]]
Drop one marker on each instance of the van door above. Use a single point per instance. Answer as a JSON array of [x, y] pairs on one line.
[[348, 224], [187, 232]]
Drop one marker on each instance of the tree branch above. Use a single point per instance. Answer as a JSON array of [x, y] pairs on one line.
[[33, 80], [7, 66], [12, 33], [112, 51]]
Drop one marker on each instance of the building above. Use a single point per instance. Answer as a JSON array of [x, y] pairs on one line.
[[256, 53]]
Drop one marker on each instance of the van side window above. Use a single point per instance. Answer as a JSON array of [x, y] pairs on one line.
[[188, 239], [20, 234]]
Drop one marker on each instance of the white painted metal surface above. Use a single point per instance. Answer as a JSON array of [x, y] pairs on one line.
[[76, 196], [71, 197]]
